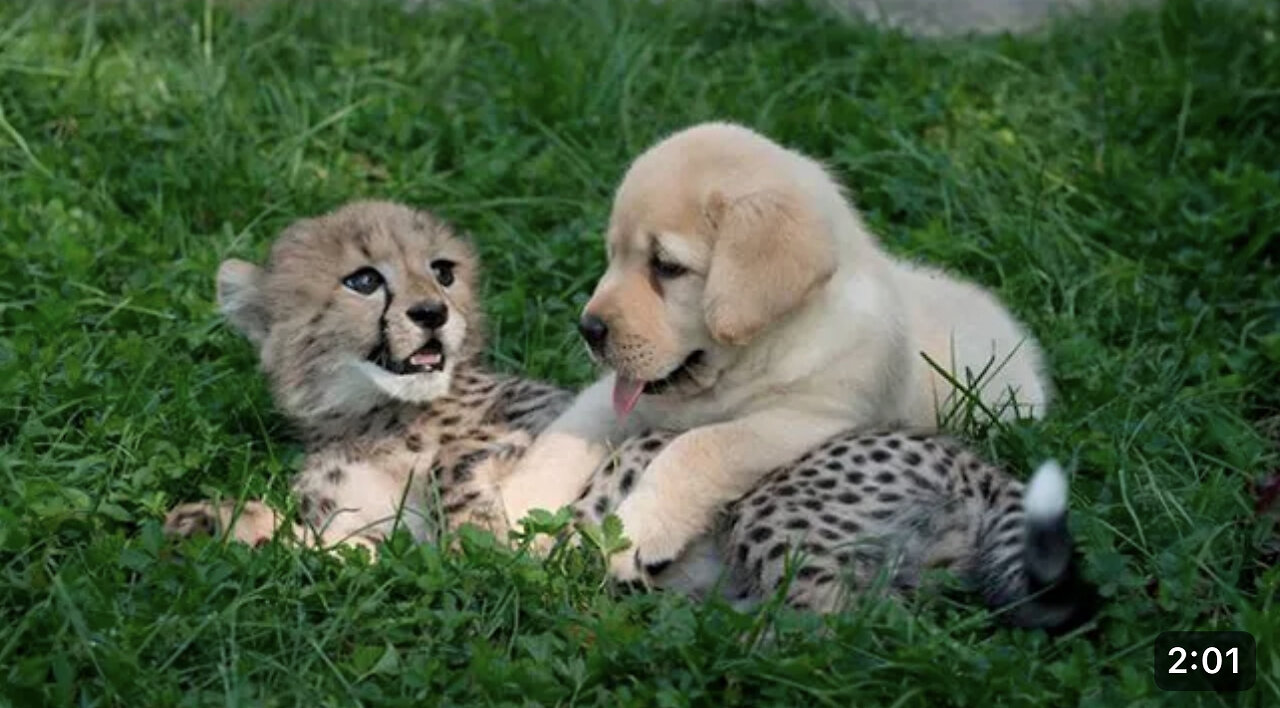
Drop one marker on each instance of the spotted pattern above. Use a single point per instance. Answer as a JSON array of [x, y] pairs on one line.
[[863, 510]]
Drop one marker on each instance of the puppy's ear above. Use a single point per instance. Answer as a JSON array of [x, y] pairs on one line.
[[770, 252], [240, 299]]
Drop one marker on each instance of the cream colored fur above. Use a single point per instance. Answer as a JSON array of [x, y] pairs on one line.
[[806, 327]]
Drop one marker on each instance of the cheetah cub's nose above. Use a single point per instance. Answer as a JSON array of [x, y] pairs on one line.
[[429, 315]]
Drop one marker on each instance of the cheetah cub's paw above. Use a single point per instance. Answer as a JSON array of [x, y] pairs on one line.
[[254, 523]]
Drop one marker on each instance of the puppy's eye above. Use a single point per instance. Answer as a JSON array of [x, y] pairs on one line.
[[666, 269], [444, 271], [365, 281]]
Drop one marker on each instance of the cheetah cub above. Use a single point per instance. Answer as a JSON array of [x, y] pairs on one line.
[[368, 328], [868, 507]]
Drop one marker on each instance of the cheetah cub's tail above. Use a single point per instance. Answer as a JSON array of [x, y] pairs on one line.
[[1034, 572]]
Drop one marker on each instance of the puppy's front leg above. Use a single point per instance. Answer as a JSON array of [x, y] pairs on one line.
[[682, 490], [558, 464]]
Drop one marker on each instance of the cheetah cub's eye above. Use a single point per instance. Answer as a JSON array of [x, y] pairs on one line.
[[365, 281], [443, 270]]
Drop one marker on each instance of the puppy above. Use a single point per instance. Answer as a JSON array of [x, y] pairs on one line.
[[746, 305]]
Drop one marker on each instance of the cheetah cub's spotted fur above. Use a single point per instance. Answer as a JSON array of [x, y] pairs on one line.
[[368, 328], [866, 507]]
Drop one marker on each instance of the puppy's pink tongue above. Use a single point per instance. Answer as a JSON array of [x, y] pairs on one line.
[[626, 392]]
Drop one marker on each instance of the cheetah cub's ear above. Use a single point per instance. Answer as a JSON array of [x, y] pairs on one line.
[[240, 299]]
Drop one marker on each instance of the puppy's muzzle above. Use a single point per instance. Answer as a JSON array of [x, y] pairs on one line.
[[594, 331]]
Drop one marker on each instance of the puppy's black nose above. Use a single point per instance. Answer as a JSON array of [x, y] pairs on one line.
[[429, 315], [593, 330]]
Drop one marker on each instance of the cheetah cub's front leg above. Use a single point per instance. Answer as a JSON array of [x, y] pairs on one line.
[[362, 503], [253, 523], [468, 474], [341, 504]]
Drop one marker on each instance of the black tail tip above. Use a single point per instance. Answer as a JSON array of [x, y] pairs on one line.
[[1060, 599], [1067, 604]]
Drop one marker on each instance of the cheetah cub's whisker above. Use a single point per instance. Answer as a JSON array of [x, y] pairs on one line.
[[369, 330], [866, 507]]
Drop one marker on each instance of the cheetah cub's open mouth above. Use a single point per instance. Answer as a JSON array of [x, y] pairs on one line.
[[427, 359]]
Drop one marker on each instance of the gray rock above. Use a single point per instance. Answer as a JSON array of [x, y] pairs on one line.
[[956, 17]]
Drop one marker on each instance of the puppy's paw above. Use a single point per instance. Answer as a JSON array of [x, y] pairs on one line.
[[634, 567], [255, 523], [632, 587], [656, 541], [627, 571]]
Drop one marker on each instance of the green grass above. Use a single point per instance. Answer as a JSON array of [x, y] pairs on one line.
[[1116, 181]]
